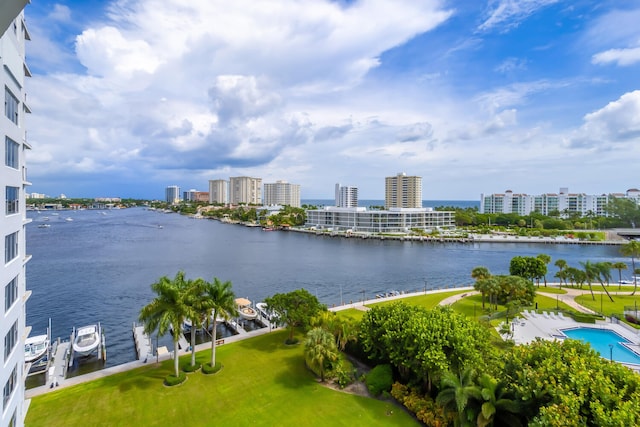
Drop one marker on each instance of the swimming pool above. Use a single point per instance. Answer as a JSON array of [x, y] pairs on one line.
[[600, 339]]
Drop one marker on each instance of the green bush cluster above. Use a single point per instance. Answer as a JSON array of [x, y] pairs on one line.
[[171, 380], [379, 379], [208, 369], [188, 368]]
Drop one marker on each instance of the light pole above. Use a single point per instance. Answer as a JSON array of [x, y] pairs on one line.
[[363, 297], [341, 302], [611, 352]]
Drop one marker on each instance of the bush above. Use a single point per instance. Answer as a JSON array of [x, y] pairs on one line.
[[425, 409], [208, 369], [379, 379], [171, 380], [344, 373], [188, 368]]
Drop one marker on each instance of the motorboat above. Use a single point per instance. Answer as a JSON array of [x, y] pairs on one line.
[[68, 219], [262, 309], [245, 310], [35, 348], [44, 225], [87, 340]]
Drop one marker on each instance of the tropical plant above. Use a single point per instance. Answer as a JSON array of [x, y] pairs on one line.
[[561, 264], [320, 351], [546, 259], [220, 302], [590, 273], [498, 405], [619, 266], [632, 249], [604, 275], [167, 310], [481, 274], [198, 311], [459, 394]]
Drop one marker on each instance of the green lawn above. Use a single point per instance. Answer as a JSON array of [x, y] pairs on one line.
[[426, 301], [550, 290], [351, 313], [263, 382], [608, 308]]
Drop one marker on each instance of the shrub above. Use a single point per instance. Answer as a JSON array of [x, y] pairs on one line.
[[208, 369], [188, 368], [344, 373], [171, 380], [379, 379], [424, 407]]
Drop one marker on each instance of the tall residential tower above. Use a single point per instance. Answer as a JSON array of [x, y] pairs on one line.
[[13, 329], [402, 191], [282, 193], [346, 196], [245, 190]]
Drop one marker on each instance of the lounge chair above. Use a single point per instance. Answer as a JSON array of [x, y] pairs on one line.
[[545, 314]]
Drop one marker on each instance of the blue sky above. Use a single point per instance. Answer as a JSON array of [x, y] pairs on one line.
[[476, 97]]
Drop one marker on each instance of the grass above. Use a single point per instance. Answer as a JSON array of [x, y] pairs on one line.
[[263, 382], [550, 290], [603, 305], [427, 301]]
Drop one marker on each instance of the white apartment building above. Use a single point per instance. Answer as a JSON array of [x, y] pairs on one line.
[[402, 191], [13, 329], [282, 193], [218, 191], [172, 194], [245, 190], [346, 196], [394, 220], [562, 202]]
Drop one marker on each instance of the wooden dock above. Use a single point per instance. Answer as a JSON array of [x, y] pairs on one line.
[[57, 371], [144, 347]]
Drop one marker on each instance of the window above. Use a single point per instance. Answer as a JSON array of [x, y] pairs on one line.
[[10, 106], [10, 340], [10, 247], [11, 153], [12, 200], [9, 387], [10, 293]]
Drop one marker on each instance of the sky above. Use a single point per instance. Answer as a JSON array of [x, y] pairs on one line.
[[131, 96]]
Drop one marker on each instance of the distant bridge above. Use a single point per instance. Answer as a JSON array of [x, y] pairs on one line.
[[628, 233]]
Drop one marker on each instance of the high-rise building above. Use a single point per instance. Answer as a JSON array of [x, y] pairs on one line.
[[189, 196], [402, 191], [282, 193], [245, 190], [172, 194], [13, 329], [218, 191], [346, 196]]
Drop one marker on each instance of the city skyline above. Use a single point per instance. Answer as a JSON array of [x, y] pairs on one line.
[[127, 97]]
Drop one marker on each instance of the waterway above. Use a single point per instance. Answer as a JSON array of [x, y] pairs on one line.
[[99, 266]]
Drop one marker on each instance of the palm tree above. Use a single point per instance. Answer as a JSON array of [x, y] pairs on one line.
[[344, 329], [632, 249], [604, 275], [319, 351], [619, 266], [168, 309], [481, 274], [546, 259], [561, 264], [199, 311], [457, 394], [591, 273], [497, 405], [220, 301]]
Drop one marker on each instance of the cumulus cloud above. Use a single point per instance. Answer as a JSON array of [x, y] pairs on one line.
[[617, 122], [210, 85], [621, 57]]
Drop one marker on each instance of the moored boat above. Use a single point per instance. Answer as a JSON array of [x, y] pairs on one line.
[[86, 340], [245, 310], [35, 348]]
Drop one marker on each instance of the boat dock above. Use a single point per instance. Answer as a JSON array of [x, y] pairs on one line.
[[144, 348], [57, 370]]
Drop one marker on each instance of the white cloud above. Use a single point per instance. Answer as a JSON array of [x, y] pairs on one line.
[[622, 57], [617, 122], [507, 14]]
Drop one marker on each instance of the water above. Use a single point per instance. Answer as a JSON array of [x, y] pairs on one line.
[[99, 266], [601, 340]]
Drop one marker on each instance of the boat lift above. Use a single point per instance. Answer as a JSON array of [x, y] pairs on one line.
[[101, 350]]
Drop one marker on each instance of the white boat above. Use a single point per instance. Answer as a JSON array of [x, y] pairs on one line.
[[68, 219], [87, 340], [262, 309], [245, 310], [44, 226], [35, 348]]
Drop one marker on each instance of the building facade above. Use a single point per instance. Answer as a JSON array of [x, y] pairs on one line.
[[13, 328], [346, 196], [218, 191], [402, 191], [282, 193], [562, 203], [245, 190], [172, 194], [395, 220]]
